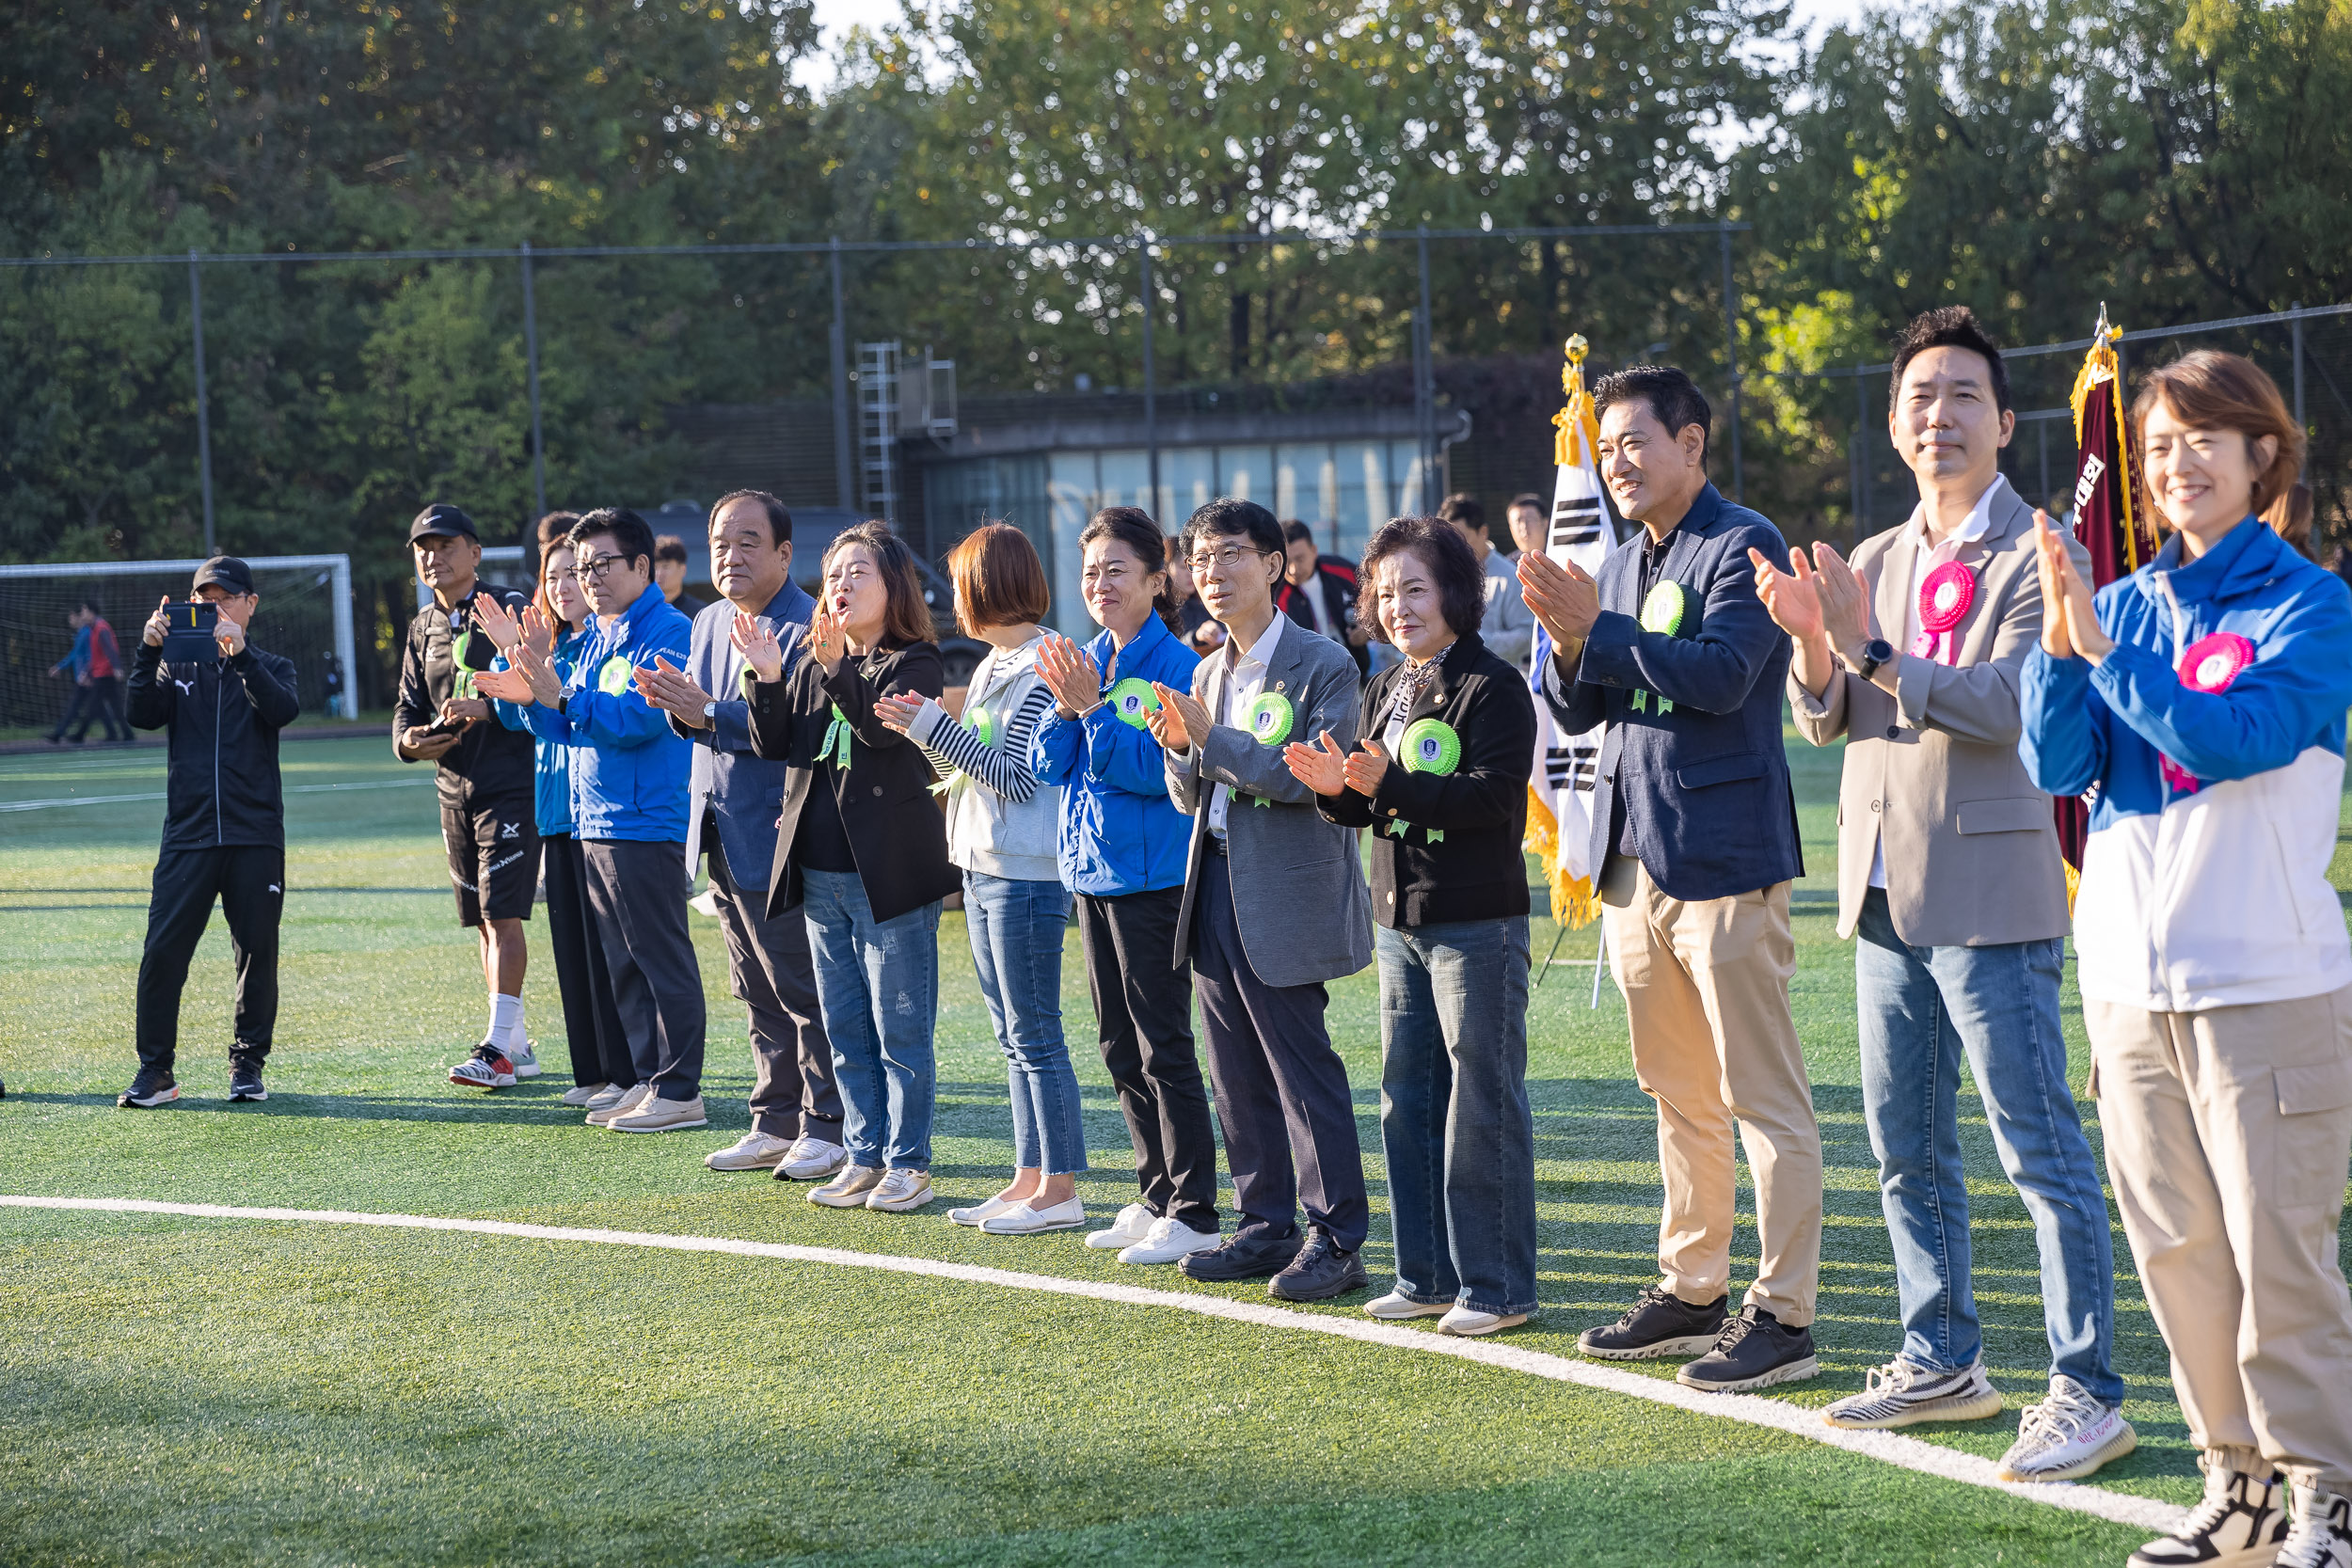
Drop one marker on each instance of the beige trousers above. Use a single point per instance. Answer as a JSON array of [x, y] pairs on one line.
[[1706, 999], [2227, 1134]]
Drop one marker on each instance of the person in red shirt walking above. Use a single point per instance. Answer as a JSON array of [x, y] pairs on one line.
[[95, 662]]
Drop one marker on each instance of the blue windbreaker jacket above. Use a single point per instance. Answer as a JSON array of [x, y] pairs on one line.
[[628, 768], [1120, 831]]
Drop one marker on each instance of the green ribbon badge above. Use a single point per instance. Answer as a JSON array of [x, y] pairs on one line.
[[1662, 612], [614, 679], [835, 746], [1132, 698], [461, 655], [1271, 717], [983, 723], [1428, 746]]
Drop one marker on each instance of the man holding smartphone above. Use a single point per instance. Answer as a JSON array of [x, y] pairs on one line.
[[224, 824], [488, 824]]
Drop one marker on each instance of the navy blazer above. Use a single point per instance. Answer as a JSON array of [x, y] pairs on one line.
[[1705, 787], [743, 791]]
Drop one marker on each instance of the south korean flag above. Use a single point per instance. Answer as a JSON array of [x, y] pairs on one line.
[[1582, 534]]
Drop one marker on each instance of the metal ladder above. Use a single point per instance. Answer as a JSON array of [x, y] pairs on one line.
[[877, 427]]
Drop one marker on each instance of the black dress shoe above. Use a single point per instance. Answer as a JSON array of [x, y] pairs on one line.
[[1240, 1257], [1657, 1324], [1755, 1351], [1320, 1271]]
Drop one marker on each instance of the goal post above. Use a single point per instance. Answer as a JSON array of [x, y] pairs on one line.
[[306, 615]]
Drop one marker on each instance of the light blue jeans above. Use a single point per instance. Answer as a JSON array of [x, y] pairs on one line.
[[1921, 1008], [1018, 929], [1454, 1122], [878, 983]]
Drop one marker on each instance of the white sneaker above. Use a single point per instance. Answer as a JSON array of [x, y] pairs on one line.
[[2321, 1536], [754, 1150], [2066, 1436], [654, 1114], [622, 1102], [900, 1190], [1168, 1240], [606, 1096], [848, 1188], [1470, 1323], [584, 1095], [2241, 1524], [1396, 1309], [1903, 1393], [1022, 1219], [986, 1209], [526, 1060], [811, 1160], [1131, 1226]]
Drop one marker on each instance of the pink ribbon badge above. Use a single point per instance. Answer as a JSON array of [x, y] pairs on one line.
[[2209, 665], [1944, 601]]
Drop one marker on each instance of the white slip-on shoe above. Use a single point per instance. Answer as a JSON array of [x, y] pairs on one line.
[[584, 1095], [1024, 1219], [1395, 1307], [1131, 1226], [1167, 1241], [654, 1114], [900, 1190], [621, 1103], [811, 1160], [754, 1150], [2067, 1436], [988, 1209], [849, 1187], [1469, 1322]]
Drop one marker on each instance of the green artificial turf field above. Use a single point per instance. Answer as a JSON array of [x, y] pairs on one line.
[[198, 1390]]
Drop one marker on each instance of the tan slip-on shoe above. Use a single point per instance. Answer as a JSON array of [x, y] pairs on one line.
[[654, 1114]]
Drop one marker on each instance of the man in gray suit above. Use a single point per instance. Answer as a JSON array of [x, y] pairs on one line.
[[1263, 944], [1948, 872]]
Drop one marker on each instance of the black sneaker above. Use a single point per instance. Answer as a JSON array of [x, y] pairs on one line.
[[245, 1080], [1754, 1351], [1239, 1258], [148, 1089], [1659, 1323], [1320, 1271]]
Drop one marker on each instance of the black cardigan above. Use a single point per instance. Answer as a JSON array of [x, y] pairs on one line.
[[897, 832], [1477, 871]]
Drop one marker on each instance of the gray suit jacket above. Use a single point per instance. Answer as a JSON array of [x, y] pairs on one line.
[[1972, 851], [1298, 879]]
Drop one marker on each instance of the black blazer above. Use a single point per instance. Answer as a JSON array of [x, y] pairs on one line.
[[896, 832], [1477, 870], [1335, 583]]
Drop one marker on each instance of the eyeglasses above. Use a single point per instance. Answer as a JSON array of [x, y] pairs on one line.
[[595, 567], [1227, 559]]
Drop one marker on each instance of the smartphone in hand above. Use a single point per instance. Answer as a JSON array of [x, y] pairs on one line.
[[188, 633]]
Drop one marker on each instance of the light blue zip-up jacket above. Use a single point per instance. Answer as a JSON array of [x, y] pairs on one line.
[[1120, 831], [628, 768], [2216, 895]]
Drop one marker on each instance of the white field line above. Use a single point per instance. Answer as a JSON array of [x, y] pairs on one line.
[[1888, 1448], [159, 795]]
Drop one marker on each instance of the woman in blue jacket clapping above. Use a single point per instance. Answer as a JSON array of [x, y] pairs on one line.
[[1122, 846]]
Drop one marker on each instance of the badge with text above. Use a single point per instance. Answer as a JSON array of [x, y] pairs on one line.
[[2209, 665]]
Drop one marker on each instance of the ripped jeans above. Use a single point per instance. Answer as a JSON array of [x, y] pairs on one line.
[[878, 984]]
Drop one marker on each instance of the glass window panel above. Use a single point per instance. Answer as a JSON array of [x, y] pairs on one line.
[[1405, 474], [1246, 473], [1187, 482], [1304, 487], [1125, 476], [1073, 488], [1360, 493]]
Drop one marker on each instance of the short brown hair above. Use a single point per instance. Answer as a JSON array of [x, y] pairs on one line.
[[999, 580], [906, 618], [2213, 391], [1461, 582]]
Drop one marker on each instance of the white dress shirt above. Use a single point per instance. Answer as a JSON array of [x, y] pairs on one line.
[[1245, 679], [1926, 558]]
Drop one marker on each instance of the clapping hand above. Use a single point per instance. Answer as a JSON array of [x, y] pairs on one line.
[[898, 711], [507, 686], [758, 643], [2070, 618], [496, 623], [538, 630], [1843, 597], [828, 639], [1069, 671], [1183, 721], [1323, 769], [1562, 596], [1788, 596], [546, 687], [1366, 767], [665, 686]]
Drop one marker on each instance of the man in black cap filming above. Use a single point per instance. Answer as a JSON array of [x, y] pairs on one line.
[[488, 826], [224, 702]]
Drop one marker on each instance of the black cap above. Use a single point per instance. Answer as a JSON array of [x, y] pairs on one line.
[[227, 571], [442, 518]]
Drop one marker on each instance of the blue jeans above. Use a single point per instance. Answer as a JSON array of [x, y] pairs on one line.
[[1920, 1008], [1455, 1126], [878, 984], [1018, 929]]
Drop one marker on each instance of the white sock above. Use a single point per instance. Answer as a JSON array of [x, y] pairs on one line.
[[506, 1022]]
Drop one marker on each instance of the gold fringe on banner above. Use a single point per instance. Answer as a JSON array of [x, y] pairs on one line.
[[1571, 896], [1575, 422]]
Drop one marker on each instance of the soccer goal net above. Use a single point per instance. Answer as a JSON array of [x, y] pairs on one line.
[[305, 616]]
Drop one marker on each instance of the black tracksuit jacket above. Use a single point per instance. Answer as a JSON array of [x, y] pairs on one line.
[[224, 720]]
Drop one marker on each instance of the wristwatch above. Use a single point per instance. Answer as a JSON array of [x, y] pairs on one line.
[[710, 714], [1875, 652]]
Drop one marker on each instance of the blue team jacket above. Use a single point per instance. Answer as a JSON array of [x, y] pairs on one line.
[[1120, 831], [550, 760], [628, 767]]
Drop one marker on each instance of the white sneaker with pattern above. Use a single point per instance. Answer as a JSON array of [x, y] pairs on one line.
[[1903, 1393], [2067, 1436], [2321, 1535]]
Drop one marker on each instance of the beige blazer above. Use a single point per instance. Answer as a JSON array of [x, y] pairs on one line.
[[1972, 852]]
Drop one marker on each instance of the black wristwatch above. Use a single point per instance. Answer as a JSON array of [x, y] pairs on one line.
[[1875, 652]]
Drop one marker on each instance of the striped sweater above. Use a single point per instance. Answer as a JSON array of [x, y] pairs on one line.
[[1001, 818]]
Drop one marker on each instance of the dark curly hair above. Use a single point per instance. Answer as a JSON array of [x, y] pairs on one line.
[[1461, 583]]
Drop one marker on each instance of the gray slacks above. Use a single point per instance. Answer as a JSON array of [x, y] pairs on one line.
[[771, 973]]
